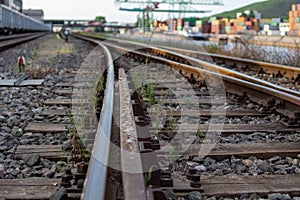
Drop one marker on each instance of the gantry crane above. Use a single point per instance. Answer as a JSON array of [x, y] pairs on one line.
[[148, 6]]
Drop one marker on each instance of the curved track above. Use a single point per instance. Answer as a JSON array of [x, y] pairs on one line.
[[235, 67], [140, 145]]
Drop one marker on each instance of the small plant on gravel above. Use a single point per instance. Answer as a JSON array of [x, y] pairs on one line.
[[39, 72], [99, 89], [50, 60], [173, 154], [200, 136], [188, 100], [61, 164], [170, 124], [213, 48], [16, 132], [131, 63], [78, 150], [156, 119], [25, 49], [148, 175], [33, 53], [150, 94]]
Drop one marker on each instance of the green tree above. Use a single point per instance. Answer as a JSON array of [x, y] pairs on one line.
[[102, 20]]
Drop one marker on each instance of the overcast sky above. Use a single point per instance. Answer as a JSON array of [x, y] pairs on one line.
[[88, 9]]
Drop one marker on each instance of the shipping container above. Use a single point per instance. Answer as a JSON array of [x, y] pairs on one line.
[[241, 19], [294, 20], [226, 20], [172, 24], [180, 22], [188, 24], [206, 28], [179, 28]]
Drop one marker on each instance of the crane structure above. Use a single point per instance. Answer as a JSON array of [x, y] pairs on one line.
[[147, 7]]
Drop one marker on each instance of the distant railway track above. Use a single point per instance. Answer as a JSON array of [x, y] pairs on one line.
[[251, 67], [261, 165], [14, 40], [279, 77]]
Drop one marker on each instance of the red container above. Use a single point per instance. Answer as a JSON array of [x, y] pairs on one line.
[[206, 28], [179, 22]]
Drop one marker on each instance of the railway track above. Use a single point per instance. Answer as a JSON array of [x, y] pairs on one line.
[[286, 76], [45, 152], [166, 130], [205, 138], [11, 41], [270, 75]]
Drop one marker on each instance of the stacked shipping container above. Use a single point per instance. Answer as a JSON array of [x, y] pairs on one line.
[[247, 23], [230, 27], [204, 26], [179, 24], [216, 25], [294, 20]]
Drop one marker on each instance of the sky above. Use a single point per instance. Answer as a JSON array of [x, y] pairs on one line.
[[88, 9]]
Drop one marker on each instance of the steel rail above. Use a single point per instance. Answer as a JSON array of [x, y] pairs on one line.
[[213, 67], [94, 187], [131, 162], [287, 71], [95, 183], [15, 36], [20, 40], [229, 72], [257, 92]]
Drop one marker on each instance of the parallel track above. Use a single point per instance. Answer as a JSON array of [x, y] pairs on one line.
[[204, 60], [176, 119], [11, 41], [265, 96]]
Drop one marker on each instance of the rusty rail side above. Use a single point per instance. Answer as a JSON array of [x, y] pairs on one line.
[[288, 71], [95, 183], [131, 163], [213, 67], [224, 71], [256, 92]]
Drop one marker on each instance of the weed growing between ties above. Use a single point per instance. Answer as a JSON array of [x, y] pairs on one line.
[[79, 152], [38, 72], [148, 176], [98, 101], [200, 136]]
